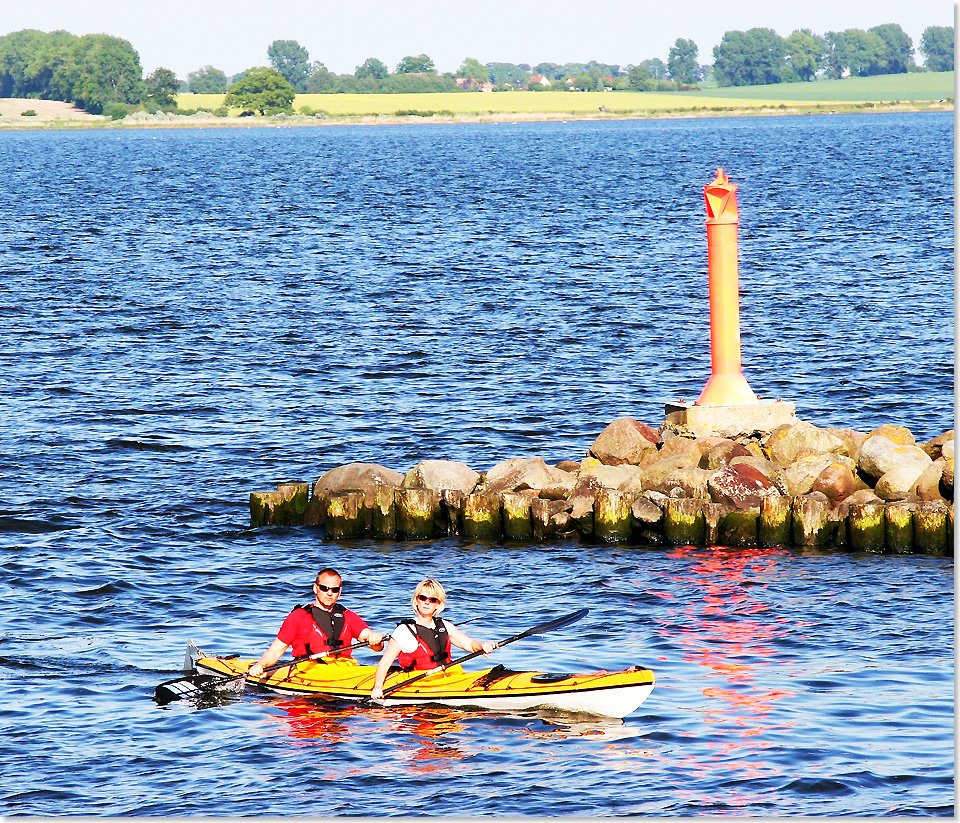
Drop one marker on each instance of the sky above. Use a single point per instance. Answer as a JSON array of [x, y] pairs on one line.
[[233, 35]]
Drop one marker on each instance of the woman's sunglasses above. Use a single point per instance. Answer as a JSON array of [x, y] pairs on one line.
[[424, 599], [323, 588]]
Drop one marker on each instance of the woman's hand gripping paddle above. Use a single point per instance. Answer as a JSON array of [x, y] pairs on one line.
[[542, 628]]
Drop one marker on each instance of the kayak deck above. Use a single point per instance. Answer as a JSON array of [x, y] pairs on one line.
[[611, 694]]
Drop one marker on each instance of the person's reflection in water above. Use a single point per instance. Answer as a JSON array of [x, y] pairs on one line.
[[310, 720], [426, 750]]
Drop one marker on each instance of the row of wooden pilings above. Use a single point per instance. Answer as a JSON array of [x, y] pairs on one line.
[[412, 514]]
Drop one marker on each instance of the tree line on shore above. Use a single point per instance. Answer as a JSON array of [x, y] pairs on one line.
[[102, 74]]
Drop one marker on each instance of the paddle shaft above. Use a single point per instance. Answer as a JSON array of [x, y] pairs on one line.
[[543, 628]]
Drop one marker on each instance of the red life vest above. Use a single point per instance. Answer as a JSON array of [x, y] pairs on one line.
[[433, 646]]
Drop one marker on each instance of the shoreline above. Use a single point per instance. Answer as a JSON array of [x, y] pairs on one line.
[[141, 120]]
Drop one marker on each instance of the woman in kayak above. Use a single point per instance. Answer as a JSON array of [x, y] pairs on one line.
[[434, 637]]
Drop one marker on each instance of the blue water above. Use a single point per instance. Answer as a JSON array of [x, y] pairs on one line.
[[192, 315]]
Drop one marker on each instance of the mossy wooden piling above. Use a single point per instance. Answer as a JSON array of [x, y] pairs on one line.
[[867, 528], [683, 522], [775, 525], [611, 516], [416, 510], [898, 531], [930, 527], [740, 528], [344, 516], [481, 517], [517, 520], [383, 515]]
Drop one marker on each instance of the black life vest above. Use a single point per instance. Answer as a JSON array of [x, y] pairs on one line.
[[433, 646], [330, 624]]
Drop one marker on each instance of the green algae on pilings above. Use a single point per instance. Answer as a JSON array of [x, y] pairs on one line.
[[930, 527], [286, 506], [740, 528], [683, 522], [776, 521], [345, 514], [811, 521], [383, 516], [295, 496], [449, 520], [517, 520], [611, 515], [898, 518], [416, 509], [481, 516], [261, 506], [867, 527]]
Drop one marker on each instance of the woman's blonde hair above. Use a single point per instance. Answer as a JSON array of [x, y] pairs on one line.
[[430, 587]]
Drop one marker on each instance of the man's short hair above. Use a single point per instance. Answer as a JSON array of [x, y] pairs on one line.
[[330, 573]]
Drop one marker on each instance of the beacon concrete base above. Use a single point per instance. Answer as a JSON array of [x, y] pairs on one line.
[[727, 421]]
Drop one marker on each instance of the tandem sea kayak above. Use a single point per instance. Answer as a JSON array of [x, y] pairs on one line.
[[610, 694]]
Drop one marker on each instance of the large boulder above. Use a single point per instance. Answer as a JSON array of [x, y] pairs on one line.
[[789, 442], [623, 477], [520, 473], [442, 475], [625, 440], [767, 468], [720, 454], [740, 486], [940, 446], [368, 478], [851, 438], [900, 482], [899, 435], [682, 481], [871, 460], [837, 481], [800, 475], [946, 482], [682, 445], [928, 485], [880, 455]]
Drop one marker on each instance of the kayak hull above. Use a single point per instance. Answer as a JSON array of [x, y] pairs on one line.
[[609, 694]]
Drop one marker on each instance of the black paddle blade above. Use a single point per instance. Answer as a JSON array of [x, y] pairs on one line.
[[191, 686]]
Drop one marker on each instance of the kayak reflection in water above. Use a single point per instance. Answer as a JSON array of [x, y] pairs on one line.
[[323, 625], [433, 637]]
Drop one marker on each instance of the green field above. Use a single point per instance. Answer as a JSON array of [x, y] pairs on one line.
[[915, 87]]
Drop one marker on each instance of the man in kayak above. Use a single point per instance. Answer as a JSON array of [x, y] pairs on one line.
[[323, 625], [433, 637]]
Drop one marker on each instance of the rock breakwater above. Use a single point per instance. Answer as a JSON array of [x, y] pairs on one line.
[[798, 485]]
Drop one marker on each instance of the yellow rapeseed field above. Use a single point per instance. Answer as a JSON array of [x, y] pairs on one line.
[[503, 102]]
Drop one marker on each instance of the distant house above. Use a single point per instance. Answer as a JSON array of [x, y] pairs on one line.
[[486, 87], [539, 78]]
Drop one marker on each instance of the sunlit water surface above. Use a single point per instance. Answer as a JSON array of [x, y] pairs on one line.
[[189, 316]]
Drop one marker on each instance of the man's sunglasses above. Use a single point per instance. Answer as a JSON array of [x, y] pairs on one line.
[[334, 589], [424, 599]]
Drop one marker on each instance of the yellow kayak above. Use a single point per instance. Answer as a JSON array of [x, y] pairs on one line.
[[611, 694]]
